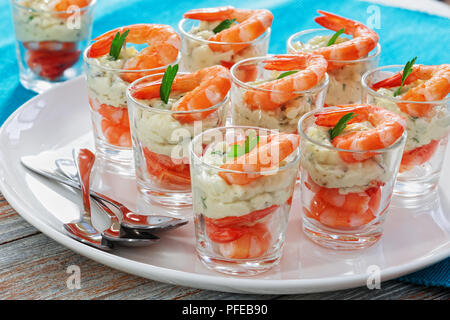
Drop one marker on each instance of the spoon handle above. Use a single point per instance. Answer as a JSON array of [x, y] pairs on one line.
[[84, 161]]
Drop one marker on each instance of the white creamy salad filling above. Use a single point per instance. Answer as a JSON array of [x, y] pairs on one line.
[[197, 54], [284, 118], [161, 133], [105, 85], [217, 199], [345, 82], [39, 25], [327, 169], [421, 131]]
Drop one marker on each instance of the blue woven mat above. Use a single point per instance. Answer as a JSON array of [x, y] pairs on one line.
[[403, 35]]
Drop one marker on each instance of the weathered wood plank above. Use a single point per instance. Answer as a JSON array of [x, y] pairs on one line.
[[12, 226]]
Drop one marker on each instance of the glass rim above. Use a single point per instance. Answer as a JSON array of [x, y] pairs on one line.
[[164, 111], [88, 60], [302, 133], [394, 99], [262, 173], [318, 87], [16, 4], [187, 34], [369, 57]]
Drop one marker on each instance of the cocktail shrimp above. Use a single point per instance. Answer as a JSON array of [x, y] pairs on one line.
[[202, 90], [163, 46], [250, 25], [311, 70], [435, 87], [364, 39], [388, 127]]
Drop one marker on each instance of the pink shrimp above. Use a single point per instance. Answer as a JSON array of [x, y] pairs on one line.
[[251, 24], [204, 88], [312, 68], [65, 5], [436, 86], [364, 39], [163, 46], [388, 128], [264, 156]]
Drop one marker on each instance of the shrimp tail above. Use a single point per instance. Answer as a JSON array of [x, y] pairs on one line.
[[334, 22]]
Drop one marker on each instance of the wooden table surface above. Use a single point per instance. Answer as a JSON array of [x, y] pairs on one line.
[[33, 266]]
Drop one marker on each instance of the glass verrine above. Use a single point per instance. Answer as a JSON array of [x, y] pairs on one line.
[[427, 136], [49, 43], [197, 54], [161, 140], [345, 75], [344, 202], [247, 75], [240, 223], [107, 84]]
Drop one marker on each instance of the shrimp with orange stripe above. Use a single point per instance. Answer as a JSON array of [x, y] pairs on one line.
[[350, 158], [348, 59], [224, 36], [427, 123], [243, 203], [196, 99], [282, 89], [112, 65]]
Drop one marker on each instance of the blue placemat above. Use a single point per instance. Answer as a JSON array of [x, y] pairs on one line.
[[403, 35]]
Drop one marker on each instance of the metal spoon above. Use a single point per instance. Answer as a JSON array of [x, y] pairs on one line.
[[83, 230], [142, 224], [114, 234]]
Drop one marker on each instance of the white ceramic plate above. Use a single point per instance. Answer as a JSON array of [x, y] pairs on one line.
[[58, 120]]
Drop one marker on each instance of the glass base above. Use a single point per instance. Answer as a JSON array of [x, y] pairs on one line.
[[37, 84], [417, 182], [244, 267], [116, 159], [166, 198], [342, 240]]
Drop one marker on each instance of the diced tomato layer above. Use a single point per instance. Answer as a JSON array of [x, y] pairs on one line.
[[337, 210], [166, 170], [418, 156], [51, 59]]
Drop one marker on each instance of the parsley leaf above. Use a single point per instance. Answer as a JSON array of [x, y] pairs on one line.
[[117, 44], [238, 150], [335, 36], [166, 82], [287, 73], [340, 126], [406, 72], [225, 24]]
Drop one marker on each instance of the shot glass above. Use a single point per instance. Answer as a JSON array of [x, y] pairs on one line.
[[345, 75], [49, 43], [161, 140], [196, 52], [247, 75], [109, 111], [240, 228], [426, 144], [344, 203]]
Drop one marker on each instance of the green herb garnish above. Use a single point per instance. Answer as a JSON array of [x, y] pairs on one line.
[[238, 150], [30, 18], [406, 72], [335, 36], [203, 199], [166, 82], [225, 24], [340, 126], [287, 73], [117, 44]]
